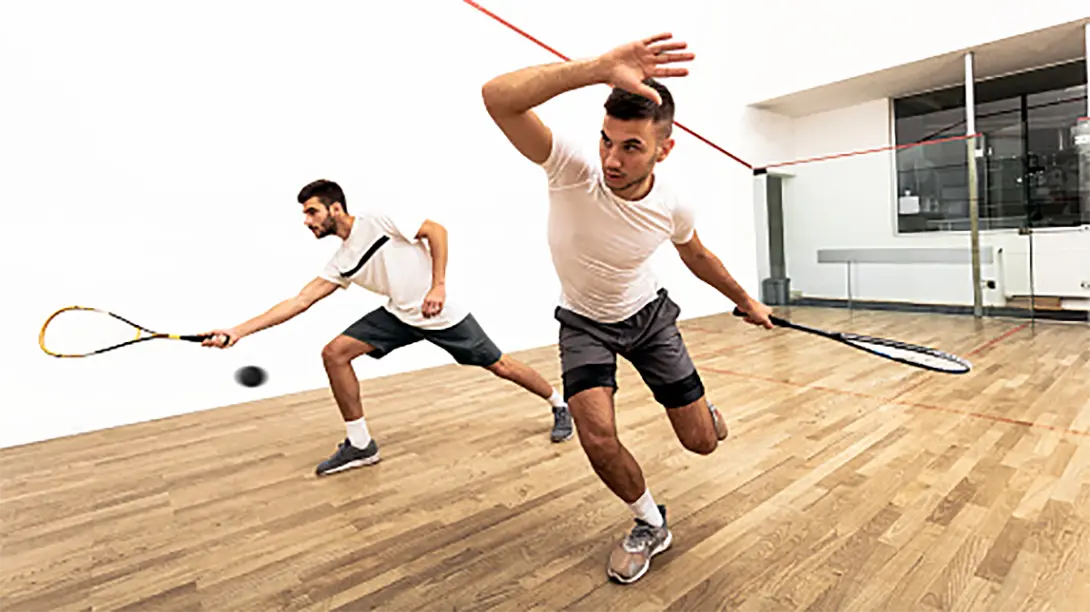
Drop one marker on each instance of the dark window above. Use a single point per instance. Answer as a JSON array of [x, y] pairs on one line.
[[1028, 170]]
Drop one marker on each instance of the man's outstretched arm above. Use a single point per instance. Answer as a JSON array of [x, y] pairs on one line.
[[511, 97], [315, 290], [708, 268]]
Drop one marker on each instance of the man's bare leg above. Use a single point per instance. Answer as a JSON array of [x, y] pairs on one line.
[[513, 370], [337, 356], [698, 426], [359, 448], [595, 421]]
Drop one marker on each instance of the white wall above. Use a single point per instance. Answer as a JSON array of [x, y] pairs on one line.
[[807, 44], [151, 155], [849, 202]]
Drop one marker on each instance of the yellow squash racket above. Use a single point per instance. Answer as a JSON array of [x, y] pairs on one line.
[[82, 331]]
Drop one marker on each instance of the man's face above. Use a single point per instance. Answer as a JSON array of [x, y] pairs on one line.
[[629, 151], [319, 218]]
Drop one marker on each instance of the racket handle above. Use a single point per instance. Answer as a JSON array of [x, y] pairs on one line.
[[195, 337], [200, 337], [738, 312]]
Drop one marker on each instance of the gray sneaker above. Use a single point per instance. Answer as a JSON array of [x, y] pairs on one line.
[[562, 424], [348, 457], [721, 430], [631, 559]]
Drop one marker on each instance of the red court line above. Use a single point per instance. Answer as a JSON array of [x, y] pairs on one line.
[[568, 59], [893, 399], [998, 339], [874, 150]]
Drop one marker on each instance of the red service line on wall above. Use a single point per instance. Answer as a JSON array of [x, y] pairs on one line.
[[865, 151], [566, 58]]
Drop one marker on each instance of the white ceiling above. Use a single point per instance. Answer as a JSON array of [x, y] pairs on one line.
[[1064, 42]]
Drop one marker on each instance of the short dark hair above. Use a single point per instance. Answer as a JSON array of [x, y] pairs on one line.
[[327, 193], [625, 105]]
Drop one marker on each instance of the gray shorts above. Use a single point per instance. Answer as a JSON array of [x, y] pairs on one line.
[[649, 340], [466, 342]]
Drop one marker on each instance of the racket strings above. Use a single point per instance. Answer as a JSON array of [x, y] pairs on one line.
[[85, 331], [910, 353]]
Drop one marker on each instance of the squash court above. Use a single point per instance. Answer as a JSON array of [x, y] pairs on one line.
[[929, 188]]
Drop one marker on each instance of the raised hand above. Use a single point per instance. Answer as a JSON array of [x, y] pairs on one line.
[[630, 64]]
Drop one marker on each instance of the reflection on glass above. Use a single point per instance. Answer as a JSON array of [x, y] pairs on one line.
[[1029, 170]]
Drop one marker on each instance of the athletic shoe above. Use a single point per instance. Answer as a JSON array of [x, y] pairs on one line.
[[720, 425], [631, 558], [562, 424], [348, 457]]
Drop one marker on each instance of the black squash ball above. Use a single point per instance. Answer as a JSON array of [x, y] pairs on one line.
[[250, 376]]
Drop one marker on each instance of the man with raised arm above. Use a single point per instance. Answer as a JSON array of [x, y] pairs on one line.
[[606, 218]]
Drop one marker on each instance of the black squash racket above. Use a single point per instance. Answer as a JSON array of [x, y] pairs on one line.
[[82, 331], [903, 352]]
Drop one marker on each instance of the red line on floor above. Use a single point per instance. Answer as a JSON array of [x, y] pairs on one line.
[[998, 339]]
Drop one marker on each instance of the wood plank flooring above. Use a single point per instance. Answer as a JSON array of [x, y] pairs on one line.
[[848, 483]]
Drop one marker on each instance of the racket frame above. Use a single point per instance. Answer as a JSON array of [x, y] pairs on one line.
[[140, 329], [848, 338]]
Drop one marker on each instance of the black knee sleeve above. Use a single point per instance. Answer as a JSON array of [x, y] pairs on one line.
[[588, 377], [679, 393]]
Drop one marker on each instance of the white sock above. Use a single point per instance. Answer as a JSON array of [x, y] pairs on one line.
[[357, 433], [557, 400], [645, 508]]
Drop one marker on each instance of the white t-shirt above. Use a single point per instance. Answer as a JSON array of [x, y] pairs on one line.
[[601, 244], [383, 256]]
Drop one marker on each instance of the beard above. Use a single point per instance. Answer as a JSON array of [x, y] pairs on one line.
[[327, 228], [632, 183]]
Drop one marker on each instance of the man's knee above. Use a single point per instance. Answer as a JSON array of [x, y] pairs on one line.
[[592, 411], [599, 442], [695, 427], [504, 367], [342, 350], [701, 441]]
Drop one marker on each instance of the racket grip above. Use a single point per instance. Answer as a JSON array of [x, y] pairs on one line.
[[738, 312]]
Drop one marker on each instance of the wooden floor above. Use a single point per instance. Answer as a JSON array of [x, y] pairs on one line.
[[848, 483]]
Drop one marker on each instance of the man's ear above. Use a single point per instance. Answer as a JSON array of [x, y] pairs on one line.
[[665, 148]]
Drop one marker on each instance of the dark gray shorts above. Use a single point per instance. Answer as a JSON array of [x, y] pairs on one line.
[[466, 342], [649, 340]]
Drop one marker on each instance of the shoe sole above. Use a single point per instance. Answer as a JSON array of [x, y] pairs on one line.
[[716, 421], [564, 439], [646, 566], [351, 464]]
